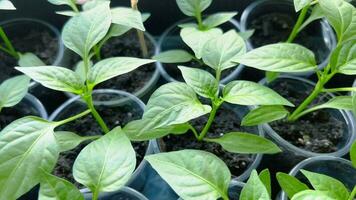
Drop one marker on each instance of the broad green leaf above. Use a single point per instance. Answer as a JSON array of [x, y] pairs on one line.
[[342, 16], [174, 56], [127, 17], [290, 184], [67, 13], [6, 5], [55, 188], [254, 189], [202, 82], [196, 39], [343, 58], [265, 178], [264, 114], [193, 174], [312, 195], [217, 19], [140, 130], [316, 14], [246, 34], [219, 52], [82, 32], [56, 78], [79, 69], [67, 140], [281, 57], [246, 143], [193, 7], [62, 2], [173, 103], [90, 4], [30, 60], [250, 93], [300, 4], [112, 67], [27, 146], [353, 154], [330, 186], [106, 164], [338, 102], [13, 90]]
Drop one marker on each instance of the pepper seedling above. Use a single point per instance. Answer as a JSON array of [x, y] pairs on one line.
[[293, 58]]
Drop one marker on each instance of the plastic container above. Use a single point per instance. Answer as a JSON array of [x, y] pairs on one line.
[[171, 39], [240, 111], [320, 29], [338, 168], [75, 105], [291, 154], [125, 193], [141, 93], [21, 27]]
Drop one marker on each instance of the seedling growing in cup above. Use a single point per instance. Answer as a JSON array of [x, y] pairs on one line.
[[293, 58]]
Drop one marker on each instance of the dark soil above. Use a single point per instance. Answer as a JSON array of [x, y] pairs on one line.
[[226, 121], [275, 27], [317, 132], [9, 115], [128, 45], [87, 126], [39, 42]]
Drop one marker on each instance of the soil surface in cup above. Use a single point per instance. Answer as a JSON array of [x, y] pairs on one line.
[[275, 27], [39, 42], [128, 45], [317, 132], [226, 121], [9, 115], [87, 126]]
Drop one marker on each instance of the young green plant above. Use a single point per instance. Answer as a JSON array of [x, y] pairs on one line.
[[13, 90], [293, 58]]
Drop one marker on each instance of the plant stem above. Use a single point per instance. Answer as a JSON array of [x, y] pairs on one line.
[[194, 131], [95, 195], [74, 7], [210, 121], [140, 34], [299, 22], [73, 118], [8, 44], [97, 52], [89, 100], [200, 21], [346, 89]]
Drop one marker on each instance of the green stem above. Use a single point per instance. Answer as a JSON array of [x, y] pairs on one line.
[[73, 118], [298, 24], [353, 194], [200, 21], [95, 195], [89, 100], [210, 121], [194, 131], [74, 7], [346, 89], [8, 44], [97, 52], [6, 50]]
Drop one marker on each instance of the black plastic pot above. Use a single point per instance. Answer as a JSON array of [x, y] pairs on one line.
[[132, 103], [171, 39], [125, 193], [292, 154], [29, 106], [319, 36], [337, 168]]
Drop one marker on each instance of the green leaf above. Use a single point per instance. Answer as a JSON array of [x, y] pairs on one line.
[[217, 19], [246, 143], [264, 114], [330, 186], [316, 14], [13, 90], [193, 7], [30, 60], [196, 39], [140, 130], [338, 102], [265, 178], [281, 57], [82, 32], [106, 164], [353, 154], [300, 4], [312, 195], [193, 174], [254, 189], [173, 103], [246, 34], [219, 52], [56, 78], [250, 93], [27, 146], [271, 76], [112, 67], [342, 16], [290, 184], [127, 17], [55, 188], [343, 58], [67, 13], [202, 82], [67, 140], [61, 2], [174, 56], [79, 69], [6, 5]]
